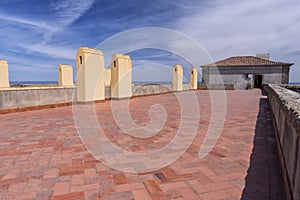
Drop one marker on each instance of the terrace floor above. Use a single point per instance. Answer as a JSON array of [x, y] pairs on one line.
[[42, 156]]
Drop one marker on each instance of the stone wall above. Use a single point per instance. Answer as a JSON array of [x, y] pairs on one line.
[[216, 86], [285, 75], [15, 98], [36, 96], [237, 75], [285, 105], [149, 89], [139, 90], [295, 88]]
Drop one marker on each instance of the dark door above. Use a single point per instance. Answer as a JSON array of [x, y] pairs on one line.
[[258, 81]]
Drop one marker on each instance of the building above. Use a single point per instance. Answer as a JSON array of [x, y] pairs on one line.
[[246, 72]]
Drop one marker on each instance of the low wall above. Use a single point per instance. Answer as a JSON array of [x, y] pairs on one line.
[[295, 88], [20, 97], [285, 106], [216, 86], [149, 89]]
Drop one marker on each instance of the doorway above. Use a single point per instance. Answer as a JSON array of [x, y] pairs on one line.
[[258, 81]]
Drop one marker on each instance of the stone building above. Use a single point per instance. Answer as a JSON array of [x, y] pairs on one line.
[[246, 72]]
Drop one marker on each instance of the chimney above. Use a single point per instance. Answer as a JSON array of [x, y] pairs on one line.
[[265, 56]]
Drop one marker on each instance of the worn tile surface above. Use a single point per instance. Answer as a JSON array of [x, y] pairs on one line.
[[42, 156]]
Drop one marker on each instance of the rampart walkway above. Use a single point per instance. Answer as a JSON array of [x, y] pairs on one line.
[[42, 156]]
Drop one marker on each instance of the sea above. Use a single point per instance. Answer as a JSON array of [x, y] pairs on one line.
[[55, 82], [137, 83], [32, 82]]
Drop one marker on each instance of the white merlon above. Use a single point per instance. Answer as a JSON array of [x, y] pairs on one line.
[[177, 78], [65, 75], [90, 75], [4, 79]]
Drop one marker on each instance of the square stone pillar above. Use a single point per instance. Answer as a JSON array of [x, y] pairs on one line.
[[193, 78], [177, 78], [65, 75], [121, 76], [107, 77], [89, 75], [4, 80]]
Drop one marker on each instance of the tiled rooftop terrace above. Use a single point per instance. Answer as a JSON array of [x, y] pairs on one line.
[[42, 156]]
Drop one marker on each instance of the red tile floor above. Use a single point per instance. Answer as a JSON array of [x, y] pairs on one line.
[[42, 156]]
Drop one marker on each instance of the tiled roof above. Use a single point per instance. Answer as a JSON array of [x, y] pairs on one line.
[[241, 61]]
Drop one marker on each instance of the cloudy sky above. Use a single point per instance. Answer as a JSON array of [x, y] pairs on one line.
[[37, 35]]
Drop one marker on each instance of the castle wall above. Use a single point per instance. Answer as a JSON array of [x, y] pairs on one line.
[[32, 97], [285, 106], [17, 98], [295, 88]]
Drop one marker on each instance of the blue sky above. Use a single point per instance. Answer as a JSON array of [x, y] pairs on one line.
[[36, 36]]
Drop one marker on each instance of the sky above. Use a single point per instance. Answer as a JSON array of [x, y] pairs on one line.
[[36, 36]]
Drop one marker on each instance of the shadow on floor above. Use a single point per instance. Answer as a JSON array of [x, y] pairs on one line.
[[264, 178]]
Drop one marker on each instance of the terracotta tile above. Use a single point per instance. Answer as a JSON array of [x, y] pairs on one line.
[[129, 187], [94, 186], [141, 194], [61, 188], [173, 185], [42, 149], [26, 195], [92, 195], [234, 192], [187, 193], [151, 186], [160, 177], [196, 186], [44, 194], [77, 188], [52, 173], [16, 188], [77, 179], [119, 195], [221, 194], [218, 186], [70, 196], [47, 183], [119, 179]]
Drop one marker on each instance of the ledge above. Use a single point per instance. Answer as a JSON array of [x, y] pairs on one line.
[[290, 100], [35, 87], [285, 106]]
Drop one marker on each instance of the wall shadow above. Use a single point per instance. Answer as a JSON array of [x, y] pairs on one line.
[[264, 178]]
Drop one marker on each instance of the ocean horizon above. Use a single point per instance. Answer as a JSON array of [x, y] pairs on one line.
[[134, 82], [55, 82]]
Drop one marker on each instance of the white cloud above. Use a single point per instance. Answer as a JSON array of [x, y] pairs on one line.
[[166, 40], [240, 27], [52, 51], [30, 22], [68, 11], [65, 13], [32, 68]]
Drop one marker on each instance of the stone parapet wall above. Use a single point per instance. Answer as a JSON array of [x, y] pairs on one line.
[[16, 98], [149, 89], [216, 86], [285, 105], [26, 96], [140, 90], [295, 88]]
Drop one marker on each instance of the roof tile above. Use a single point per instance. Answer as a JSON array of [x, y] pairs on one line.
[[240, 61]]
